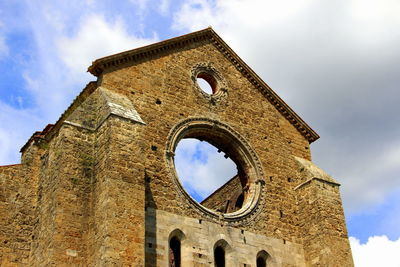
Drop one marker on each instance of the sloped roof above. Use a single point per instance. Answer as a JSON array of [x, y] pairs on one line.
[[102, 64], [50, 129], [311, 172]]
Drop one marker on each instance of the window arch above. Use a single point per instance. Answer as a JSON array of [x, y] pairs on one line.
[[221, 249], [175, 247], [262, 258]]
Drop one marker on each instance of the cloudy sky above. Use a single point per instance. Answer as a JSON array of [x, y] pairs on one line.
[[336, 63]]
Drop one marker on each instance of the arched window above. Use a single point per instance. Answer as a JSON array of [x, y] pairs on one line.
[[222, 250], [175, 239], [219, 256], [262, 257]]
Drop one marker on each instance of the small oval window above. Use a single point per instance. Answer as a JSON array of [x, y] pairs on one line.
[[207, 83]]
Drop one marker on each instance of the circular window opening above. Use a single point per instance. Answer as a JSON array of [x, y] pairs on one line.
[[207, 83], [195, 143], [210, 176]]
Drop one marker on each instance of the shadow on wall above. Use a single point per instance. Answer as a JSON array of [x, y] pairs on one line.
[[150, 259]]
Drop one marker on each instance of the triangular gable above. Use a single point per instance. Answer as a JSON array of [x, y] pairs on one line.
[[139, 54]]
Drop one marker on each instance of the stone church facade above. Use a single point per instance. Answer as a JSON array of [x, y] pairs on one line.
[[99, 187]]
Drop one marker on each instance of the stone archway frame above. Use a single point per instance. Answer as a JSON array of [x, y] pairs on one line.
[[231, 142]]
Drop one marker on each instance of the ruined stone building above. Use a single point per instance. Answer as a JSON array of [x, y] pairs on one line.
[[99, 187]]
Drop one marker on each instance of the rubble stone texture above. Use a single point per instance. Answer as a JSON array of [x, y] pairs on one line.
[[98, 188], [227, 197]]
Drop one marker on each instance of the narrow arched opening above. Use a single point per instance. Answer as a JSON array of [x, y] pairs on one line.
[[174, 252], [175, 248], [219, 256], [262, 258]]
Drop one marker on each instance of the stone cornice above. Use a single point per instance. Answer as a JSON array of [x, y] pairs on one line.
[[146, 52], [316, 179], [101, 64]]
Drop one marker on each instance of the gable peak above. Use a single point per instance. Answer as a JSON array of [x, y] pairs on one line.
[[142, 53]]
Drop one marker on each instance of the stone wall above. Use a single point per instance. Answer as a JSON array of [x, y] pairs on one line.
[[64, 191], [118, 200], [199, 237], [98, 189], [164, 94], [16, 220], [18, 201], [225, 197], [323, 225]]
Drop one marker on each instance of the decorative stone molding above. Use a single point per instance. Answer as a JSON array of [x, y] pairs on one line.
[[220, 89], [208, 34], [235, 145]]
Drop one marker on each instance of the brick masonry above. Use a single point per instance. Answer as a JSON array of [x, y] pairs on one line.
[[97, 188]]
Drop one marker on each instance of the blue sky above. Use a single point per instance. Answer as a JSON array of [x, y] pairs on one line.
[[336, 63], [201, 168]]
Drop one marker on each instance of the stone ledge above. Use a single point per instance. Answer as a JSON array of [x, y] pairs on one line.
[[312, 172]]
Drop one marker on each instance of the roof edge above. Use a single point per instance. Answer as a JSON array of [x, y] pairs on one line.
[[101, 64], [11, 165], [49, 131], [253, 77]]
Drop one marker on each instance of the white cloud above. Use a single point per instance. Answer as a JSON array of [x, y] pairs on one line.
[[392, 157], [66, 47], [66, 37], [142, 4], [163, 8], [379, 17], [3, 44], [201, 168], [336, 64], [378, 251], [15, 129], [96, 38], [375, 176], [197, 14]]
